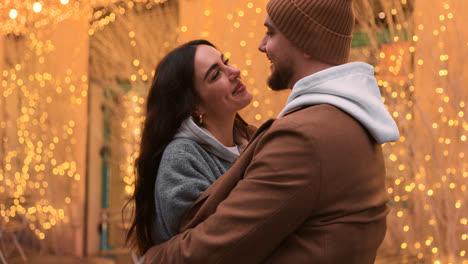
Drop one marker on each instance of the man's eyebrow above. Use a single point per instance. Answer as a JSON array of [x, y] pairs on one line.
[[267, 25], [212, 67]]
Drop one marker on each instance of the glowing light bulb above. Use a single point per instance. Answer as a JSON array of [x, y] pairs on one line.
[[37, 7], [13, 13], [64, 2]]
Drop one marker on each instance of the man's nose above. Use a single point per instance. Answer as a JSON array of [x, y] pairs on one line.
[[262, 45]]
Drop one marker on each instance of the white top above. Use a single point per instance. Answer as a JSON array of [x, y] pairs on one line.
[[234, 150]]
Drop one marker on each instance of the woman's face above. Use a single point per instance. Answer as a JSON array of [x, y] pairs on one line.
[[221, 91]]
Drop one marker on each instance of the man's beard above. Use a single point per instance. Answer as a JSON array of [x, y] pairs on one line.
[[279, 79]]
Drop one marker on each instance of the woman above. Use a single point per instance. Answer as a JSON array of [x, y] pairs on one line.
[[191, 135]]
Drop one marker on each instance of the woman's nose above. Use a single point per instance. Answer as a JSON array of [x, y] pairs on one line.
[[234, 72]]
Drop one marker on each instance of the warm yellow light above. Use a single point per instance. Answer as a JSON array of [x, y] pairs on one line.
[[37, 7], [64, 2], [128, 189], [13, 13]]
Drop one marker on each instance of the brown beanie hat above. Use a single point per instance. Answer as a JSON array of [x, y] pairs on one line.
[[321, 28]]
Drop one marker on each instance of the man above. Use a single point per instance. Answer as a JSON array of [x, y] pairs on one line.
[[310, 187]]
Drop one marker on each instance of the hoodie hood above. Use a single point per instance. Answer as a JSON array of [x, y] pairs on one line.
[[188, 129], [352, 88]]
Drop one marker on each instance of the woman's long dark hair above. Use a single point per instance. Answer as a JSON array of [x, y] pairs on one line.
[[171, 99]]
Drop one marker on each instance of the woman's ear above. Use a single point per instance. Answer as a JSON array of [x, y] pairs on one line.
[[198, 115]]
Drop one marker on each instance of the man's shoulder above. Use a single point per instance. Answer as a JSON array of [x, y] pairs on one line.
[[314, 115], [320, 123]]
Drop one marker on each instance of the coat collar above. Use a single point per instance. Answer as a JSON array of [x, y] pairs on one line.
[[295, 109]]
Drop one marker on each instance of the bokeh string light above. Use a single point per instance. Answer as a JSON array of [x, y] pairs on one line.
[[426, 168], [418, 48]]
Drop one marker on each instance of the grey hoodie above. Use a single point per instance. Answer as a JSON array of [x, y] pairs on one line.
[[192, 131], [352, 88], [189, 165]]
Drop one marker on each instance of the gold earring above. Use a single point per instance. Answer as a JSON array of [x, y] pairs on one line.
[[201, 118]]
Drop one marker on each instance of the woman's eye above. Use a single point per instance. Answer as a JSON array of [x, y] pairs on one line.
[[215, 75], [226, 62]]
